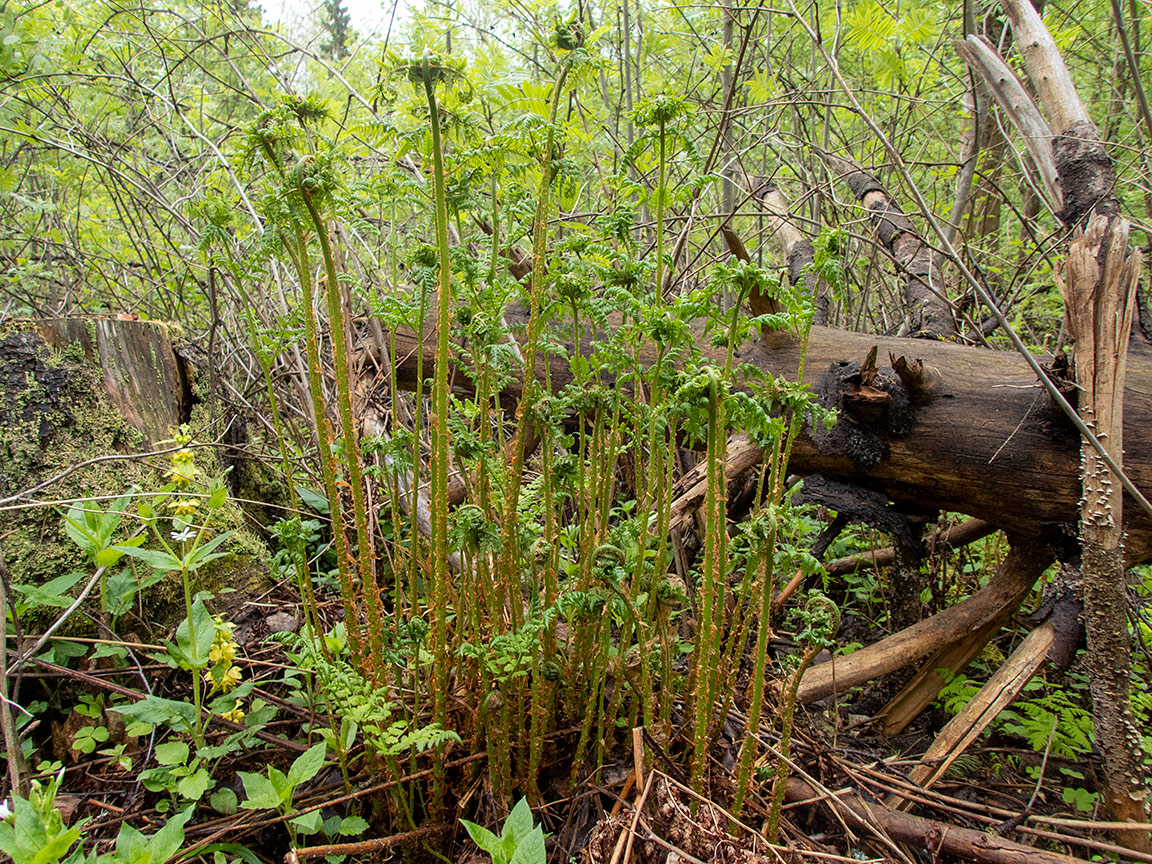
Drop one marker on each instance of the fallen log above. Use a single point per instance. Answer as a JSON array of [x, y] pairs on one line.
[[983, 439]]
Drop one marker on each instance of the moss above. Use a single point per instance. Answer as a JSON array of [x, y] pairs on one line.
[[58, 417]]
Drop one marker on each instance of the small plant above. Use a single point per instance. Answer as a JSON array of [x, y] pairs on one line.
[[275, 790], [519, 842], [34, 832]]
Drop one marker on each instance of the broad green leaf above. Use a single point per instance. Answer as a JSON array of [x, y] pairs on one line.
[[315, 500], [530, 849], [519, 821], [258, 792], [157, 558], [172, 753], [216, 499], [76, 526], [309, 823], [351, 826], [203, 627], [224, 800], [51, 593], [482, 837], [281, 785], [201, 555], [108, 556], [167, 841], [178, 716], [307, 764], [194, 786]]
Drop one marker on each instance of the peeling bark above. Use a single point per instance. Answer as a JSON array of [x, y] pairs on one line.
[[1100, 288]]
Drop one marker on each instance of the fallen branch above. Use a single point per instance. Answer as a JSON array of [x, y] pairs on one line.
[[1012, 581], [379, 844], [930, 313], [996, 695], [927, 834], [954, 537]]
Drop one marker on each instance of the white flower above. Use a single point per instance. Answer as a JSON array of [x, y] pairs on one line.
[[4, 811], [186, 534]]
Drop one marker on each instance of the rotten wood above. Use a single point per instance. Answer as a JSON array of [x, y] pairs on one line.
[[145, 379], [1086, 172], [1100, 289], [742, 454]]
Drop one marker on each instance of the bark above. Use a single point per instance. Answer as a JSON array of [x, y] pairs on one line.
[[1100, 290], [929, 312]]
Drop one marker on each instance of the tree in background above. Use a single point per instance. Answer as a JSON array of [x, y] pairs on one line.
[[337, 24]]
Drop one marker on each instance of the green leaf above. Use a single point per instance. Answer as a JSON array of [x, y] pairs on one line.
[[482, 837], [168, 840], [530, 850], [258, 791], [307, 764], [281, 785], [108, 556], [224, 800], [172, 753], [178, 716], [309, 823], [203, 627], [156, 558], [315, 500], [195, 786], [519, 821], [351, 826], [216, 499], [51, 593], [201, 555]]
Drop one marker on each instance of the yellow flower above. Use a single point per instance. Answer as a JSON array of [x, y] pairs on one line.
[[235, 715], [231, 678], [221, 678], [222, 652], [184, 506]]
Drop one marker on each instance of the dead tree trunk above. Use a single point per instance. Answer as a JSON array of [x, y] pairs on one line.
[[1100, 287], [1100, 282]]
